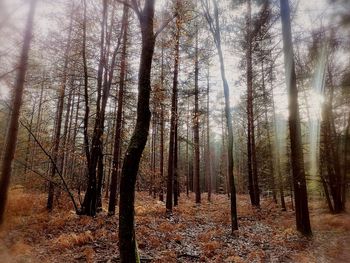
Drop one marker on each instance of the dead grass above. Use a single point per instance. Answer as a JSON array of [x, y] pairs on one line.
[[68, 241], [337, 222], [210, 248], [30, 231]]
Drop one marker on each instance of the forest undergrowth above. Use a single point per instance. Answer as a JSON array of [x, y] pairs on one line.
[[194, 233]]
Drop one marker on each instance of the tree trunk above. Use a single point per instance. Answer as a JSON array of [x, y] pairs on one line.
[[208, 168], [215, 30], [118, 129], [297, 158], [196, 175], [27, 166], [251, 149], [11, 138], [173, 126], [59, 117], [271, 164], [161, 161], [127, 239]]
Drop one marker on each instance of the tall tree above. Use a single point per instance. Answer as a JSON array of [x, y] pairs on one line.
[[11, 138], [105, 73], [127, 239], [118, 129], [214, 26], [208, 157], [172, 157], [196, 173], [59, 116], [297, 158], [251, 149]]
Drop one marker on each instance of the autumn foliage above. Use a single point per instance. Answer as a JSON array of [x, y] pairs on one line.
[[192, 234]]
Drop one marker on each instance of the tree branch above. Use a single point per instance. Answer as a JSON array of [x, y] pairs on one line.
[[134, 6], [164, 25], [54, 165]]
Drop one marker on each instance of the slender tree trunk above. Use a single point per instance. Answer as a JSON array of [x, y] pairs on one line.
[[271, 164], [188, 170], [172, 173], [330, 156], [161, 161], [297, 158], [127, 239], [11, 137], [73, 160], [277, 152], [118, 129], [91, 203], [208, 168], [217, 38], [38, 121], [176, 191], [196, 176], [27, 166], [59, 117], [66, 129], [346, 163], [251, 149]]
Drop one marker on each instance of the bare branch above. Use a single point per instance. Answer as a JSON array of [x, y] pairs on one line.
[[134, 6], [164, 25], [9, 72], [54, 165]]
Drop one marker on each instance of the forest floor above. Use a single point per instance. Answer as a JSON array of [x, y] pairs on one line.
[[193, 234]]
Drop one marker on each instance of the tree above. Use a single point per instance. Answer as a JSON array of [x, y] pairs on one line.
[[94, 153], [214, 27], [11, 139], [172, 186], [297, 159], [59, 116], [127, 239], [251, 149], [196, 173], [118, 129]]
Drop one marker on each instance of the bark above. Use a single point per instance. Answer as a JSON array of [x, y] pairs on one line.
[[215, 30], [172, 166], [27, 166], [251, 149], [127, 239], [330, 155], [208, 168], [176, 192], [74, 136], [91, 202], [11, 137], [277, 154], [59, 117], [66, 129], [118, 129], [196, 175], [161, 161], [270, 148], [297, 158], [38, 121]]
